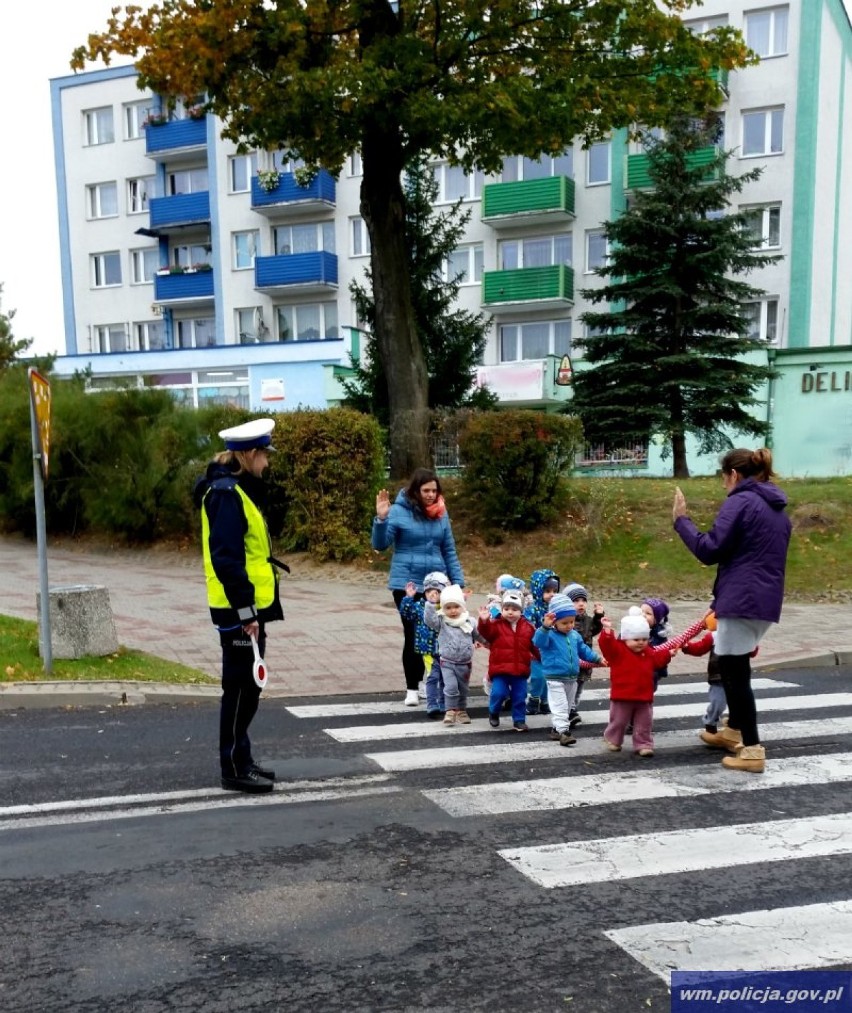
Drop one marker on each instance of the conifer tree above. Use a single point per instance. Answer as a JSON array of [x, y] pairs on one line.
[[669, 358], [10, 346]]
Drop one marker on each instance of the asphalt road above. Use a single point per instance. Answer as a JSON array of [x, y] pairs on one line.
[[388, 871]]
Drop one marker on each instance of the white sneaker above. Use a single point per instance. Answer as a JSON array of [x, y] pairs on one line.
[[411, 698], [421, 691]]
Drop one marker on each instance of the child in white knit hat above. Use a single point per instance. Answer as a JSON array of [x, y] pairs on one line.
[[456, 633], [631, 678]]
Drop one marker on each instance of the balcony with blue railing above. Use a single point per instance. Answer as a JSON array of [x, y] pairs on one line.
[[528, 202], [534, 287], [303, 273], [171, 140], [179, 211], [191, 285], [276, 198]]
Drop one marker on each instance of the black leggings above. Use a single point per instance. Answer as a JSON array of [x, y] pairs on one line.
[[412, 662], [735, 670]]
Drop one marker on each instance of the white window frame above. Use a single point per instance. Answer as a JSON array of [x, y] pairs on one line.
[[701, 26], [769, 114], [142, 331], [553, 238], [248, 166], [773, 43], [359, 237], [98, 268], [135, 116], [474, 181], [144, 264], [596, 147], [515, 166], [104, 334], [251, 239], [139, 192], [327, 310], [552, 349], [597, 233], [470, 273], [197, 180], [324, 231], [98, 126], [355, 168], [763, 232], [767, 320], [191, 324], [95, 200]]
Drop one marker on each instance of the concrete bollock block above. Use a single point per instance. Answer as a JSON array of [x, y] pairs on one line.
[[81, 621]]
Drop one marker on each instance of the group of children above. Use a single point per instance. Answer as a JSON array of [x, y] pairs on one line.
[[541, 653]]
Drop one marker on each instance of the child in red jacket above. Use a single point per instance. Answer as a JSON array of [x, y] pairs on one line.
[[510, 638], [631, 678]]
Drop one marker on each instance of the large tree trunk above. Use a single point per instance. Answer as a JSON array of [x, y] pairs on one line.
[[681, 468], [396, 338]]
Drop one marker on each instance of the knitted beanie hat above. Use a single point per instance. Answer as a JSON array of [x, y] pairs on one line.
[[435, 581], [513, 598], [575, 591], [659, 608], [452, 594], [561, 606], [634, 626], [506, 582]]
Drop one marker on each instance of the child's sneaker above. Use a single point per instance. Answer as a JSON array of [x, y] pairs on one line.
[[646, 752], [534, 705], [611, 746], [450, 717], [434, 715], [566, 739], [493, 719], [545, 707], [462, 718], [554, 735], [574, 720], [520, 726]]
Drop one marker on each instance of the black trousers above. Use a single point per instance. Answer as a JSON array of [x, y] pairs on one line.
[[412, 663], [735, 670], [240, 697]]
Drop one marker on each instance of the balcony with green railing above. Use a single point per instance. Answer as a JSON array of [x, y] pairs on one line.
[[529, 201], [637, 176], [545, 287]]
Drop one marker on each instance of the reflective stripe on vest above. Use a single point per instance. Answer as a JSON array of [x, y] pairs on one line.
[[257, 547]]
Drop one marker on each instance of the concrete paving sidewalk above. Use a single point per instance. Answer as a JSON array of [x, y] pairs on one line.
[[339, 636]]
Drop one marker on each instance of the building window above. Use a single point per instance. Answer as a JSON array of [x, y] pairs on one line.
[[518, 168], [534, 251], [144, 264], [241, 168], [464, 264], [186, 181], [102, 200], [150, 336], [106, 269], [307, 322], [766, 31], [251, 326], [597, 250], [97, 126], [111, 338], [763, 132], [138, 192], [598, 164], [305, 238], [534, 340], [135, 116], [355, 167], [286, 163], [360, 237], [223, 387], [762, 320], [764, 225], [700, 26], [245, 248], [196, 333], [456, 184], [190, 255]]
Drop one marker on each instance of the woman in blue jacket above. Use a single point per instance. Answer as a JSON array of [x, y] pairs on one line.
[[418, 530], [748, 541]]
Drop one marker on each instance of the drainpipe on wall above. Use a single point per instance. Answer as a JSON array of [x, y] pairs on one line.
[[770, 396]]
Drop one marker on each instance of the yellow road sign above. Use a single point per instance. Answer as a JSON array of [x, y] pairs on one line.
[[40, 395]]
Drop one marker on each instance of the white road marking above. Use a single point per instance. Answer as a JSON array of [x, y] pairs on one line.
[[342, 710], [609, 788], [676, 851], [424, 728], [782, 939], [523, 750]]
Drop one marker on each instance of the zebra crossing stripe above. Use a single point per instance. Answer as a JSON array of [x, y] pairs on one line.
[[609, 788], [781, 939], [357, 708], [692, 850], [400, 760], [430, 729]]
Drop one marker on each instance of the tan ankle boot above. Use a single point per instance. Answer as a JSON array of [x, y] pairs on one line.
[[750, 758], [726, 738]]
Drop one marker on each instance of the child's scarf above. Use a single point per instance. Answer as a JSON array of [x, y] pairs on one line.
[[462, 621]]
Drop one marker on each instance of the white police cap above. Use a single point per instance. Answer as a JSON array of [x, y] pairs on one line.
[[250, 435]]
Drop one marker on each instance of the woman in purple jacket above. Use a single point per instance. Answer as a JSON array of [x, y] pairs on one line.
[[748, 541]]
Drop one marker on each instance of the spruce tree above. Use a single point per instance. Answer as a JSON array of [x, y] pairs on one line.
[[669, 357], [452, 338], [10, 346]]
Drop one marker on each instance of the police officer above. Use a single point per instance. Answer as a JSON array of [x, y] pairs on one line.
[[242, 587]]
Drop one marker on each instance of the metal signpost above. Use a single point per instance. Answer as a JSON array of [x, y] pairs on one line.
[[40, 429]]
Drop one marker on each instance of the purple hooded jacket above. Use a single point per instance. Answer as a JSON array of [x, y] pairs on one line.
[[748, 541]]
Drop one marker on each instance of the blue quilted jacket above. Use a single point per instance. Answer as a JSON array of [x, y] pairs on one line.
[[420, 545]]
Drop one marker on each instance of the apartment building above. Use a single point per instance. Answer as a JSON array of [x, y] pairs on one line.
[[190, 266]]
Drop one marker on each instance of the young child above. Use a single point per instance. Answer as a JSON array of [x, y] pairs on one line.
[[494, 601], [510, 638], [561, 648], [656, 611], [456, 632], [588, 626], [425, 640], [631, 673], [543, 585]]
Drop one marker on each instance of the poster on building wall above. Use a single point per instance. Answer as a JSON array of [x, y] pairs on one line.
[[272, 390]]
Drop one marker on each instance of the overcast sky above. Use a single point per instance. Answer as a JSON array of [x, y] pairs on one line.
[[29, 255]]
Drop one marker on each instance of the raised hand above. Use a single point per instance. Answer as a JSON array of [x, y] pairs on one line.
[[382, 504], [549, 620], [411, 589], [679, 505]]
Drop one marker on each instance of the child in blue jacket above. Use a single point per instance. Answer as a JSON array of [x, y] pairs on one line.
[[543, 585], [412, 608], [562, 648]]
